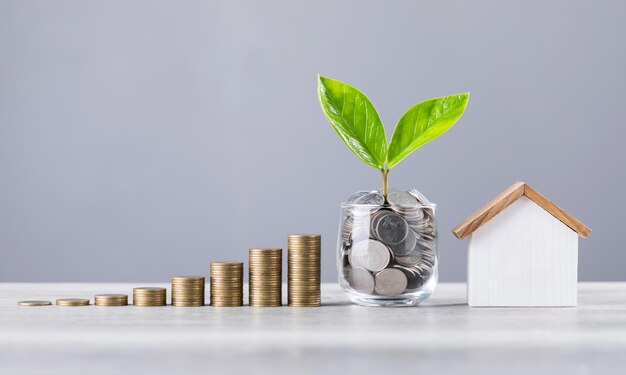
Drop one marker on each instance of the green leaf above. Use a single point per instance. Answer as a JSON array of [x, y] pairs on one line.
[[424, 122], [355, 120]]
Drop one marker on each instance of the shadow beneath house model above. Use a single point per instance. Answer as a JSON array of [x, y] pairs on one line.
[[435, 305]]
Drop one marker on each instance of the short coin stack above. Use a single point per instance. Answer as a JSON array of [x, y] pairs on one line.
[[188, 291], [265, 277], [226, 284], [146, 296], [111, 299], [303, 261], [72, 302]]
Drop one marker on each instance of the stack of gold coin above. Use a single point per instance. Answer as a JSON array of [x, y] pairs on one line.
[[188, 291], [265, 277], [72, 302], [226, 284], [146, 296], [303, 262], [111, 300]]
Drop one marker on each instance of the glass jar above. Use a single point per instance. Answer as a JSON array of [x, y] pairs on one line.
[[387, 249]]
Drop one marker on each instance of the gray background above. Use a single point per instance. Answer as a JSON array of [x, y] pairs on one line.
[[143, 139]]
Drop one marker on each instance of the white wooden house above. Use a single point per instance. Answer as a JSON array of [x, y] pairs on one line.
[[523, 251]]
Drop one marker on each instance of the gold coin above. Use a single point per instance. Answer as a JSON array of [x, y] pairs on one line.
[[265, 250], [184, 278], [111, 304], [149, 289], [230, 277], [181, 304], [176, 292], [148, 298], [111, 296], [226, 265], [34, 303], [72, 302], [227, 298], [111, 300], [151, 304], [305, 236]]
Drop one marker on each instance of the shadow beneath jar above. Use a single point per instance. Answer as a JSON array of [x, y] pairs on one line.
[[337, 303]]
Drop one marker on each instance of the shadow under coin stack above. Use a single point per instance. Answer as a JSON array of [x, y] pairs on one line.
[[303, 261], [265, 277], [188, 291], [111, 300], [226, 284], [146, 296]]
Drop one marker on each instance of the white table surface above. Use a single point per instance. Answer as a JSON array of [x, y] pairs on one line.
[[441, 336]]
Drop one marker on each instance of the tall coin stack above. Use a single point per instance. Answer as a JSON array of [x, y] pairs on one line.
[[145, 296], [303, 261], [265, 277], [188, 291], [226, 284]]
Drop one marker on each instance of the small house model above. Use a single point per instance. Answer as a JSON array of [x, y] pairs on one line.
[[523, 251]]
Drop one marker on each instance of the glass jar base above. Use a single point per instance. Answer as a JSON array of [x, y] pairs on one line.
[[400, 301]]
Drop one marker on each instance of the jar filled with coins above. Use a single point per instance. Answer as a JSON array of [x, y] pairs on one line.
[[387, 248]]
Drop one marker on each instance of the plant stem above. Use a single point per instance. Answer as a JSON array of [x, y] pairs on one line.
[[385, 173]]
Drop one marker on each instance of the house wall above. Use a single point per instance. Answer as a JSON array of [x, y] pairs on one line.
[[523, 257]]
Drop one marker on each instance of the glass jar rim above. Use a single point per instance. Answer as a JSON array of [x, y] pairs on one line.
[[420, 205]]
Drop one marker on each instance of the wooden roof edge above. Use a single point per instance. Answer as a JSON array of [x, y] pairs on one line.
[[556, 211], [508, 196], [489, 210]]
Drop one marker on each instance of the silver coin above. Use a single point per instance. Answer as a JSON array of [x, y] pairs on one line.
[[376, 216], [361, 280], [361, 227], [414, 280], [390, 282], [370, 254], [344, 259], [355, 197], [401, 198], [413, 215], [371, 199], [362, 211], [411, 259], [425, 244], [406, 246], [419, 196], [391, 228]]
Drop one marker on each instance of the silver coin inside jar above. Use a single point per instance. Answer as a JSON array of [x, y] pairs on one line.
[[361, 280], [401, 198], [370, 254], [390, 282], [390, 227]]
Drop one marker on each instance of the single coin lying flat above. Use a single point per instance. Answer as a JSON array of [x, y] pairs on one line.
[[34, 303]]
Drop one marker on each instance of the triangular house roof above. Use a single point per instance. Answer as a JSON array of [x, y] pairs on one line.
[[510, 195]]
